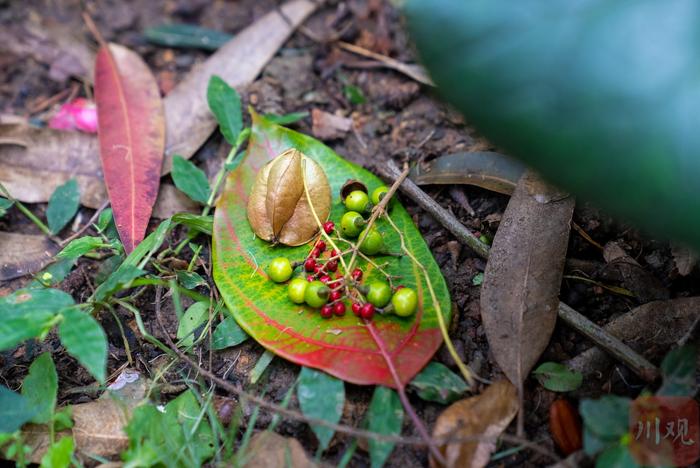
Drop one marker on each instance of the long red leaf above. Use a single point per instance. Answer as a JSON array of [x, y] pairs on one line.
[[132, 138]]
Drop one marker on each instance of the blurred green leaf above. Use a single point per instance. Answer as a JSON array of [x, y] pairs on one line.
[[194, 317], [186, 36], [85, 340], [53, 274], [598, 96], [557, 377], [29, 313], [617, 456], [354, 94], [321, 396], [228, 333], [385, 416], [225, 104], [117, 281], [5, 205], [63, 205], [263, 362], [105, 224], [607, 417], [678, 369], [198, 223], [190, 179], [15, 410], [59, 454], [40, 388], [286, 119], [80, 246], [438, 383], [478, 279], [190, 279]]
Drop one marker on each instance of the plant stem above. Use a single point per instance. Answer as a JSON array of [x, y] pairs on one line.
[[242, 137], [39, 223]]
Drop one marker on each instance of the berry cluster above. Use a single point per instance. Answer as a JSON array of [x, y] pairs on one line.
[[331, 295]]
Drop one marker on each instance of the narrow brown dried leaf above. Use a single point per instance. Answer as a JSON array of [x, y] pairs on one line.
[[520, 292], [278, 209], [268, 449], [23, 254], [485, 415]]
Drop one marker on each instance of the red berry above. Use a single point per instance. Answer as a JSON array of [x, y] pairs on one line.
[[324, 279], [367, 311], [327, 311], [310, 278], [332, 265], [320, 245], [335, 295], [357, 274], [339, 309], [334, 253], [337, 284], [356, 308], [318, 268], [328, 226], [315, 252], [309, 264], [399, 287]]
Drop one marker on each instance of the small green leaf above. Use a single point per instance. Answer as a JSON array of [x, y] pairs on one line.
[[190, 279], [190, 180], [478, 279], [117, 281], [263, 361], [53, 274], [85, 340], [148, 246], [592, 443], [354, 94], [15, 410], [194, 317], [607, 417], [59, 454], [29, 313], [63, 205], [105, 224], [678, 369], [617, 456], [40, 388], [186, 36], [198, 223], [80, 246], [286, 119], [438, 383], [225, 104], [557, 377], [385, 416], [228, 333], [5, 205], [321, 396]]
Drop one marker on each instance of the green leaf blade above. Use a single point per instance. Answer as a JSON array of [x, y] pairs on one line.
[[86, 341], [439, 384], [15, 410], [194, 317], [59, 454], [186, 36], [40, 388], [80, 246], [227, 334], [557, 377], [225, 104], [190, 180], [385, 416], [63, 205], [321, 396]]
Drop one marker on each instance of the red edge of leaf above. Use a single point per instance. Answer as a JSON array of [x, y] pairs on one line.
[[131, 133]]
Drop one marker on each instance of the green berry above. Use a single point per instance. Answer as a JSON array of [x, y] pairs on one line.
[[316, 294], [351, 224], [357, 200], [296, 290], [379, 193], [405, 301], [279, 270], [373, 242], [379, 293]]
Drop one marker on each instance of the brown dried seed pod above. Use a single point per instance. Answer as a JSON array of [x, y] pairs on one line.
[[278, 210]]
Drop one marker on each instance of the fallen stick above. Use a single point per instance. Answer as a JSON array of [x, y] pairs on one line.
[[616, 348]]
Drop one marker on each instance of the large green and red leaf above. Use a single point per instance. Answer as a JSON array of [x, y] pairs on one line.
[[344, 347], [132, 138]]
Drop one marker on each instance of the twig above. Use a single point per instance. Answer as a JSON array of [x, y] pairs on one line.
[[414, 71], [616, 348], [39, 223], [87, 225]]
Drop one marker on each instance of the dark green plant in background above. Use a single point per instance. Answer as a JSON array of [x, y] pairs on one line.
[[601, 97]]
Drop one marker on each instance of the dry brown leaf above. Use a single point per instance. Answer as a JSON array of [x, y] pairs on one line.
[[23, 254], [684, 258], [520, 292], [34, 161], [327, 126], [268, 449], [645, 286], [486, 415], [278, 209]]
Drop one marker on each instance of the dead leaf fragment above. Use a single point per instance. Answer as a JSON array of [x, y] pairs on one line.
[[268, 449], [645, 286], [520, 292], [23, 254], [278, 209], [684, 258], [485, 415], [327, 126]]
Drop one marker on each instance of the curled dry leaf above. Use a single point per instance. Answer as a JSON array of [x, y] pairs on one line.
[[484, 417], [23, 254], [278, 209], [271, 449], [520, 292]]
